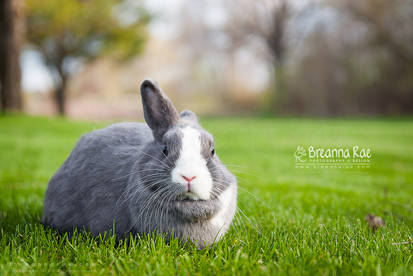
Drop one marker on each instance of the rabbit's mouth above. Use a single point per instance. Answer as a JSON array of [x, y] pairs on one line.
[[191, 196], [188, 196]]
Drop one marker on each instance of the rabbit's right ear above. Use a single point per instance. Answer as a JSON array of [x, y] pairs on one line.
[[159, 112]]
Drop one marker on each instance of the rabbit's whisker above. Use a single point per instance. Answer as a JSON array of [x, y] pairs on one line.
[[153, 157]]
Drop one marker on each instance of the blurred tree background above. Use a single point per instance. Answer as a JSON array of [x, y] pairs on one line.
[[70, 31], [312, 57]]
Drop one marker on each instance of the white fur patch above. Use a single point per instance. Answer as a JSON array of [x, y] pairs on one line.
[[191, 163], [225, 198]]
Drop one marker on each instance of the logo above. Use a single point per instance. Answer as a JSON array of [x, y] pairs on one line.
[[300, 154], [333, 157]]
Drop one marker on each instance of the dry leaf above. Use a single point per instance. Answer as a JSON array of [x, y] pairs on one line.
[[375, 222]]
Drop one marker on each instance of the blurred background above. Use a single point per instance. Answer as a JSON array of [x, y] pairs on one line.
[[85, 58]]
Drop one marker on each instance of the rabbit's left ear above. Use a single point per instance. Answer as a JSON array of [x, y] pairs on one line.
[[159, 112]]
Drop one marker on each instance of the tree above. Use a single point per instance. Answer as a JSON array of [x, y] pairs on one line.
[[270, 22], [390, 37], [11, 33], [356, 60], [81, 30]]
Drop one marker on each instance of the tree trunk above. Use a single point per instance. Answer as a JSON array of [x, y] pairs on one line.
[[11, 34], [278, 96], [60, 95]]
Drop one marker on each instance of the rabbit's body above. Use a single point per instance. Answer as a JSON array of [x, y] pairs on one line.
[[129, 176], [85, 192]]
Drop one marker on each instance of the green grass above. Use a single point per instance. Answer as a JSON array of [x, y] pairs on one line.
[[293, 221]]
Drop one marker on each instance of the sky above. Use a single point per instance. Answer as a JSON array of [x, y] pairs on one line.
[[35, 75]]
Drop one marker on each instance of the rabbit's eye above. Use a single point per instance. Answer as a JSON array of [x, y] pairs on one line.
[[165, 150], [212, 150]]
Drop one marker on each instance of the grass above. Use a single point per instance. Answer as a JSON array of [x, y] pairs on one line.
[[291, 220]]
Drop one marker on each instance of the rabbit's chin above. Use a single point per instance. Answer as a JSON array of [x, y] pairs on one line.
[[195, 210]]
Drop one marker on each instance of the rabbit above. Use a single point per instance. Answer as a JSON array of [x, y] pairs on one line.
[[136, 178]]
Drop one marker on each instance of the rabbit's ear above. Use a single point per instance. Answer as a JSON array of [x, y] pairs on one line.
[[159, 112], [189, 115]]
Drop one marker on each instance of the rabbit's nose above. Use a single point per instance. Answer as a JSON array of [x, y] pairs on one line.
[[188, 179]]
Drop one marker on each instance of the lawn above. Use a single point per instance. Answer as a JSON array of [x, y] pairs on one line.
[[290, 220]]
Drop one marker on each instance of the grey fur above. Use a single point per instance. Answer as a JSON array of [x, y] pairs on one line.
[[120, 176]]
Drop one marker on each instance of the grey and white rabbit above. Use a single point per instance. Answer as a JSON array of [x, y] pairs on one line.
[[136, 178]]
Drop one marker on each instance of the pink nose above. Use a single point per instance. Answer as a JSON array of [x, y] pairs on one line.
[[189, 179]]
